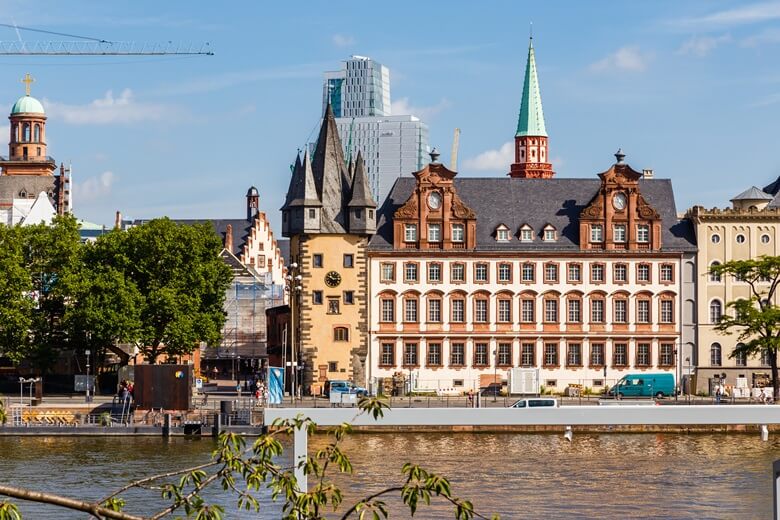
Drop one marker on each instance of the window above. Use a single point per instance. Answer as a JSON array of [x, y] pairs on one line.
[[340, 334], [643, 273], [574, 355], [621, 355], [642, 311], [527, 311], [715, 238], [457, 310], [504, 354], [333, 366], [457, 354], [551, 310], [388, 354], [620, 273], [316, 260], [764, 357], [504, 272], [333, 306], [457, 382], [481, 272], [666, 357], [597, 311], [410, 272], [527, 272], [550, 354], [549, 234], [410, 310], [388, 310], [550, 272], [434, 233], [410, 354], [575, 310], [714, 276], [765, 239], [458, 272], [434, 272], [643, 355], [715, 355], [527, 357], [526, 234], [621, 311], [740, 357], [434, 311], [434, 354], [596, 354], [388, 272], [502, 235], [619, 232], [349, 297], [316, 297], [575, 272], [597, 273], [410, 233], [504, 311], [481, 354], [480, 310], [457, 232], [643, 233], [596, 233], [667, 273], [716, 311], [740, 239], [667, 311], [349, 260]]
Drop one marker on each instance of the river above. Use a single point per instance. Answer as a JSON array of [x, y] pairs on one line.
[[516, 475]]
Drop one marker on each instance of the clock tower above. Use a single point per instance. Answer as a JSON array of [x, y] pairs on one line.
[[329, 216]]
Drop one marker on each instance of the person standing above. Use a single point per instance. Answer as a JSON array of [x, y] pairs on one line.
[[471, 398]]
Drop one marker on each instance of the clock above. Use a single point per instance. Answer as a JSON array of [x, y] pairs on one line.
[[619, 201], [332, 279], [434, 200]]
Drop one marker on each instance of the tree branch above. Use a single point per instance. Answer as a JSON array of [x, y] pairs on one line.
[[176, 505], [139, 483], [77, 505]]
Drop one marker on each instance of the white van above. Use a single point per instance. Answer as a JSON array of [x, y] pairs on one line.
[[536, 402]]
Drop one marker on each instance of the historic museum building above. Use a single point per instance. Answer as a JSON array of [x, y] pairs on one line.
[[582, 280]]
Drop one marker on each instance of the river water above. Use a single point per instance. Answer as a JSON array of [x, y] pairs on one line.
[[516, 475]]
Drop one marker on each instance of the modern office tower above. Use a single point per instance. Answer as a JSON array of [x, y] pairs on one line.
[[360, 89]]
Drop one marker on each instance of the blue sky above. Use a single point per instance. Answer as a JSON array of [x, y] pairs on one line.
[[690, 89]]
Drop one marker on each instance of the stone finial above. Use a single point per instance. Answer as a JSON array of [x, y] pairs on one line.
[[229, 237], [435, 156], [619, 155]]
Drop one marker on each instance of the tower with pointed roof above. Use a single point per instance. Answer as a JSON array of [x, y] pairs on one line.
[[531, 151]]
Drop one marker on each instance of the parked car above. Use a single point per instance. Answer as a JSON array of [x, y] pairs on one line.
[[536, 402], [644, 385], [338, 386]]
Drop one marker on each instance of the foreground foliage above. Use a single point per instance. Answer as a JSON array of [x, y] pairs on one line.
[[243, 471]]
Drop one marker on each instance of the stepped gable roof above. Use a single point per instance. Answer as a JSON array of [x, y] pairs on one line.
[[536, 202], [361, 193], [331, 176], [753, 193]]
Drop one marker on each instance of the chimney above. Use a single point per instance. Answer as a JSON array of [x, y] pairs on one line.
[[647, 174], [118, 220], [229, 237]]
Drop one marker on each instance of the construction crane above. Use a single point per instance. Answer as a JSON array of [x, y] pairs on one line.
[[455, 144], [93, 46]]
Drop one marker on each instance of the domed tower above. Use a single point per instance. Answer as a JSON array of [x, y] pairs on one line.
[[27, 146]]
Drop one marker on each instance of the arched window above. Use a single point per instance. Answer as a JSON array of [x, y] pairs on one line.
[[714, 277], [14, 133], [37, 133], [716, 311], [340, 334], [715, 359], [739, 356], [26, 132]]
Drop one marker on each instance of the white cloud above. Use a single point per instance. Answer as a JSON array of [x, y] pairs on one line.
[[768, 36], [94, 187], [343, 40], [123, 109], [702, 45], [401, 107], [629, 59], [745, 14], [492, 160]]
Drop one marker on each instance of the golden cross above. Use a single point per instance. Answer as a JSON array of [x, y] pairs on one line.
[[28, 80]]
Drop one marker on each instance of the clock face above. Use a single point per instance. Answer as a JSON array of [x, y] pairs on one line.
[[619, 201], [332, 279], [434, 200]]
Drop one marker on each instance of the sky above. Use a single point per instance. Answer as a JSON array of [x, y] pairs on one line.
[[690, 89]]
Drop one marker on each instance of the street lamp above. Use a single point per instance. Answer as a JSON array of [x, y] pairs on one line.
[[293, 287], [87, 398], [495, 373]]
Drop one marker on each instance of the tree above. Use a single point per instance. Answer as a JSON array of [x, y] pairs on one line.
[[755, 319], [243, 471], [16, 303]]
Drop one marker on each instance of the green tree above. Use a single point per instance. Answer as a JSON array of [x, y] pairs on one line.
[[756, 319], [16, 302]]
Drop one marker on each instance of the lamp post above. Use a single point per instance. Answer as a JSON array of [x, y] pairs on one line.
[[495, 373], [87, 397], [293, 287]]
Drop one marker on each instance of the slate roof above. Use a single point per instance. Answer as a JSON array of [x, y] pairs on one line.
[[284, 249], [536, 202], [11, 185], [753, 193]]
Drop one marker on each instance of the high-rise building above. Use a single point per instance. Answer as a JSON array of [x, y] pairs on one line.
[[391, 145]]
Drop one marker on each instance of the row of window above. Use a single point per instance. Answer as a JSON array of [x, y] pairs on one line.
[[318, 260], [333, 302], [740, 358], [457, 233], [25, 133], [551, 355], [574, 272], [620, 233], [740, 238], [574, 309]]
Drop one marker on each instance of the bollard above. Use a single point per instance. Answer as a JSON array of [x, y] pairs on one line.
[[764, 432], [568, 434], [166, 430], [217, 428]]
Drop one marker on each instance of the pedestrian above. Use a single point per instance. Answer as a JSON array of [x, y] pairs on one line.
[[266, 395], [717, 395], [471, 398]]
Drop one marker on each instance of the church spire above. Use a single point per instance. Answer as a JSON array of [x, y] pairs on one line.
[[531, 136]]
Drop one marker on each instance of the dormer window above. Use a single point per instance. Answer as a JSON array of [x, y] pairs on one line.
[[434, 232], [502, 233], [549, 234], [526, 234], [457, 232], [643, 233], [596, 233], [619, 232], [410, 233], [22, 194]]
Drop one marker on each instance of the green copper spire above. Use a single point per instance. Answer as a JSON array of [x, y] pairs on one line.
[[531, 120]]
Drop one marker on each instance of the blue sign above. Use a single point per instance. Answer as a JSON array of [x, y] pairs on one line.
[[275, 385]]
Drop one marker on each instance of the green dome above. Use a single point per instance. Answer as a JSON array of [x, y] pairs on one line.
[[27, 104]]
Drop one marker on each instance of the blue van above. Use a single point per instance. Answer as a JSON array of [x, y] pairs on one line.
[[644, 385]]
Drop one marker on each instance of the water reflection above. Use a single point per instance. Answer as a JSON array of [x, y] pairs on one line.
[[516, 475]]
